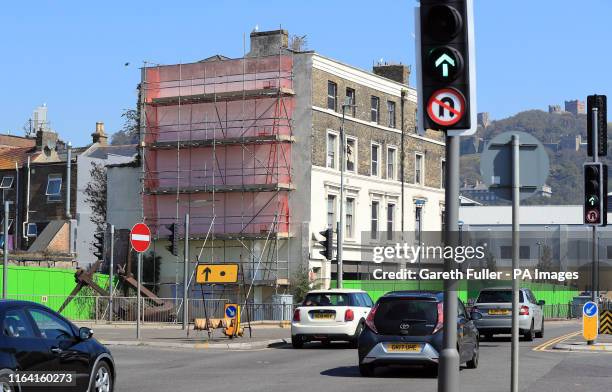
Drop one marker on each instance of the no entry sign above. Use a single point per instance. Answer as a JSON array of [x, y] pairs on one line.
[[140, 237], [446, 106]]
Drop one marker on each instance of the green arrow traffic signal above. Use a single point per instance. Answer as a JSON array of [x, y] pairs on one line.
[[445, 60]]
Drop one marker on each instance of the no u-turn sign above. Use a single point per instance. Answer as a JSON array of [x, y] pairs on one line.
[[446, 107]]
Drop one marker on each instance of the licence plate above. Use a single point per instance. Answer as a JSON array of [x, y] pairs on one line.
[[403, 347], [323, 316], [498, 312]]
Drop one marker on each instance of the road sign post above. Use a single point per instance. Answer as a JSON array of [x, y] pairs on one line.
[[140, 239], [590, 322], [514, 165]]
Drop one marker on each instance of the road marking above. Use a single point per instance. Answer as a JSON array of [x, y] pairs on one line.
[[544, 346]]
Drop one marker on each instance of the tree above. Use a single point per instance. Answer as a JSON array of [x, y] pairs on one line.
[[95, 195], [130, 131], [300, 284]]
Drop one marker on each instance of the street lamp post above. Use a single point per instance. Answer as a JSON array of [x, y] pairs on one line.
[[340, 230]]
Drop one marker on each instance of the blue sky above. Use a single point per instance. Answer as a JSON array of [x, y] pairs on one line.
[[71, 54]]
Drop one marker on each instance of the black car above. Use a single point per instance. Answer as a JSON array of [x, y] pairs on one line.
[[42, 351], [405, 328]]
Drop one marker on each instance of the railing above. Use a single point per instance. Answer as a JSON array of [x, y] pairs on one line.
[[560, 311], [164, 310]]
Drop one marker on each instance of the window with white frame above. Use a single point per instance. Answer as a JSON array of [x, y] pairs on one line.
[[351, 98], [418, 169], [331, 211], [374, 109], [54, 187], [332, 95], [351, 154], [418, 219], [374, 220], [375, 160], [391, 113], [7, 182], [390, 220], [391, 163], [332, 147], [349, 227]]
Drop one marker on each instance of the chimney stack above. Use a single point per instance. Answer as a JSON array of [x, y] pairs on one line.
[[396, 72], [99, 136], [268, 43]]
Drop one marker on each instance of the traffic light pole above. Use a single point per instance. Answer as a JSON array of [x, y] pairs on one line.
[[595, 273], [516, 186], [111, 273], [186, 276], [448, 380]]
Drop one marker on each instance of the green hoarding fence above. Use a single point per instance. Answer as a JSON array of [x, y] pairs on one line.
[[557, 297], [51, 287]]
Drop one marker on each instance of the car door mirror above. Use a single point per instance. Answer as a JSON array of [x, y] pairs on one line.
[[85, 333], [541, 302], [475, 315]]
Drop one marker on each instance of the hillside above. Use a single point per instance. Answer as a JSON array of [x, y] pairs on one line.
[[565, 177]]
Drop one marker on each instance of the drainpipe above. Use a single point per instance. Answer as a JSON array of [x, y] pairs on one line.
[[68, 193], [27, 210], [16, 235]]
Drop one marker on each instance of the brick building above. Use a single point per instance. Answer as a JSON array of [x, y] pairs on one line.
[[249, 147]]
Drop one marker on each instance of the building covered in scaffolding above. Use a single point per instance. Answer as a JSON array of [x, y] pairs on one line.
[[249, 148]]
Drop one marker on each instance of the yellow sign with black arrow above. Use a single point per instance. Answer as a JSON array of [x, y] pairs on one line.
[[605, 322], [216, 273]]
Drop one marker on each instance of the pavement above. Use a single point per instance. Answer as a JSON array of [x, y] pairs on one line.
[[334, 368], [173, 336], [577, 343]]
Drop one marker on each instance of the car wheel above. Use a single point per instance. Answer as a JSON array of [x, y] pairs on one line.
[[366, 370], [540, 333], [102, 378], [297, 342], [529, 334], [355, 340], [473, 363]]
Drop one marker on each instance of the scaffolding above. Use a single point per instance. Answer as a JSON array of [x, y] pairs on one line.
[[217, 144]]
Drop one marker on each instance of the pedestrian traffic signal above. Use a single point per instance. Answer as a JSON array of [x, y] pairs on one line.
[[98, 245], [595, 194], [173, 247], [446, 58], [327, 243]]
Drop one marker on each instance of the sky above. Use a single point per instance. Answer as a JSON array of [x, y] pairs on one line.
[[72, 55]]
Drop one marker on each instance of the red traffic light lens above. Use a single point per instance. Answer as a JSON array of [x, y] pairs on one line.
[[443, 23]]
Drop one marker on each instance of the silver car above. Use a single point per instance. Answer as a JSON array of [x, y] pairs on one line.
[[495, 306]]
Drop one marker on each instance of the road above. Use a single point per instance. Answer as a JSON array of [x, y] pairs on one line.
[[334, 369]]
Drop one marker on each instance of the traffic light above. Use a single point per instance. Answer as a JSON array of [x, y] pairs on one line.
[[447, 99], [173, 247], [327, 243], [595, 194], [98, 245]]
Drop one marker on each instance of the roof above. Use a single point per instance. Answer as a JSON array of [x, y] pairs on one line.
[[338, 291], [102, 152], [10, 155], [439, 295], [17, 141]]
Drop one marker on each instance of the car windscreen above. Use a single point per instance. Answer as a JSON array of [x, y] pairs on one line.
[[497, 296], [419, 315], [326, 299]]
